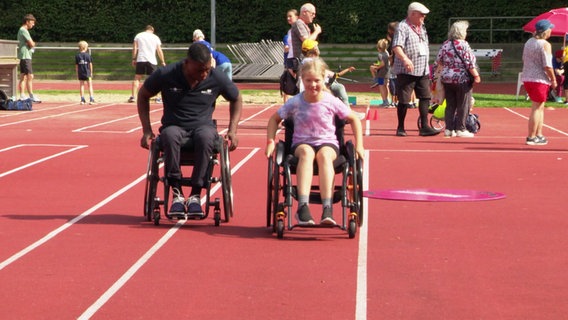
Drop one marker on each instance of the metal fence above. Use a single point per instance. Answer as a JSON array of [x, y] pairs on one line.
[[258, 61]]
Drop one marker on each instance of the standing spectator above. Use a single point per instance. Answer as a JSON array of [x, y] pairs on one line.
[[391, 28], [144, 48], [558, 73], [381, 69], [84, 69], [299, 32], [189, 89], [565, 66], [291, 17], [220, 61], [537, 78], [410, 46], [26, 47], [455, 63]]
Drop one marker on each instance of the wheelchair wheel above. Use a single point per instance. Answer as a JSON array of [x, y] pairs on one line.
[[359, 192], [437, 124], [270, 191], [152, 178], [280, 229], [226, 182], [352, 228]]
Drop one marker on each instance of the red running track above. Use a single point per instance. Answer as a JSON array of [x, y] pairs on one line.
[[75, 244]]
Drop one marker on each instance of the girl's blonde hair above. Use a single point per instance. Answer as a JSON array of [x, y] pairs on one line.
[[382, 45], [83, 45], [315, 65]]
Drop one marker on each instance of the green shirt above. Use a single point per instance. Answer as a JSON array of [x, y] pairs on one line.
[[23, 38]]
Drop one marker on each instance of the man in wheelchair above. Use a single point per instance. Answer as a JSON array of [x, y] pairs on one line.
[[189, 91], [313, 112]]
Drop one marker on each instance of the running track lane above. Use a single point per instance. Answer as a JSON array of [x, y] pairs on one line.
[[497, 259], [108, 254]]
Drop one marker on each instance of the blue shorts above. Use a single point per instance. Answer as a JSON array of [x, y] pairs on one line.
[[380, 81]]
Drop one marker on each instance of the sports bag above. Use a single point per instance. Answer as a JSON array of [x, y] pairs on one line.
[[17, 105], [288, 84]]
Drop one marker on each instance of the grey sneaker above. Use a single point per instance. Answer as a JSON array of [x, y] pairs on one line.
[[327, 216], [536, 141], [304, 216], [194, 207], [131, 100]]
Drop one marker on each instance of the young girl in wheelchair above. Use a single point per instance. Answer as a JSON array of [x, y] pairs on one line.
[[313, 112]]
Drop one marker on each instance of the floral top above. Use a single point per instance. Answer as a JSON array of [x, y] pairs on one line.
[[534, 61], [454, 70]]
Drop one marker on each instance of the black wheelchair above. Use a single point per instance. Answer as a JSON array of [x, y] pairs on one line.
[[153, 204], [282, 165]]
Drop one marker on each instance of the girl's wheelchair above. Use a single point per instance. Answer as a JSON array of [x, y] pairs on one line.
[[153, 204], [281, 191]]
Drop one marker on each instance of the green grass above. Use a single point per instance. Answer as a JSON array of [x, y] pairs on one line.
[[481, 100], [506, 100]]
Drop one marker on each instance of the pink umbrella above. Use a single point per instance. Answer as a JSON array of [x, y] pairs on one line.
[[558, 17]]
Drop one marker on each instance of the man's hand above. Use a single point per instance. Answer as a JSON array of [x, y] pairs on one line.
[[233, 141], [146, 139]]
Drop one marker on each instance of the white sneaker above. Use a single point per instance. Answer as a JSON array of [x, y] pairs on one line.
[[464, 134], [35, 99], [449, 133]]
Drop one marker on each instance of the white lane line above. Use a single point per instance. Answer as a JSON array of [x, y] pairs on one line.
[[544, 125], [69, 223], [16, 113], [55, 115], [361, 299], [103, 299], [85, 129], [73, 148]]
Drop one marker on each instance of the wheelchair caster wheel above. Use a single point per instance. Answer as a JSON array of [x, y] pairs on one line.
[[217, 218], [280, 229], [352, 228], [156, 217]]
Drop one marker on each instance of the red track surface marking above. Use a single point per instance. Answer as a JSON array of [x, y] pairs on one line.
[[457, 260]]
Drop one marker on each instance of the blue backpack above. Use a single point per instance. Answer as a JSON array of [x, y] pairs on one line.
[[19, 105]]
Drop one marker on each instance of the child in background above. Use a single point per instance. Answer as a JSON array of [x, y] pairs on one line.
[[313, 112], [380, 71], [84, 69], [310, 51]]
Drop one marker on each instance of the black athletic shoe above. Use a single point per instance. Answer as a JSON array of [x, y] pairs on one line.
[[304, 216], [327, 216], [428, 131], [400, 133]]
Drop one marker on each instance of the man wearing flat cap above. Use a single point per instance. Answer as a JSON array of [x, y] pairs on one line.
[[410, 46]]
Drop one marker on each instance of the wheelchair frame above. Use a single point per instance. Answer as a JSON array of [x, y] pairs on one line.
[[153, 205], [281, 191]]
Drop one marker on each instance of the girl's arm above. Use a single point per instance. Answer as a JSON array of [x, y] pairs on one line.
[[271, 133], [356, 127]]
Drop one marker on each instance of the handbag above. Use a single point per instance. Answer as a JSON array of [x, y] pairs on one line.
[[470, 77]]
